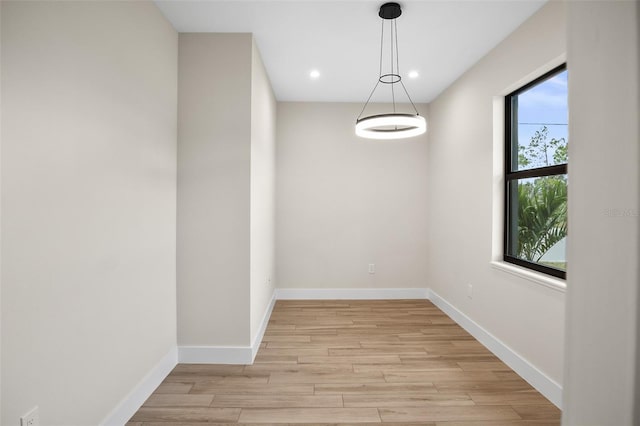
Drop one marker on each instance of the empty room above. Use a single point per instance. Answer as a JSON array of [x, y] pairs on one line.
[[319, 212]]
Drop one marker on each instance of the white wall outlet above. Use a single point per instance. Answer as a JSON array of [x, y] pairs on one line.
[[470, 291], [32, 418], [372, 268]]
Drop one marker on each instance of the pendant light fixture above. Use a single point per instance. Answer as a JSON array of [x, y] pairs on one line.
[[393, 125]]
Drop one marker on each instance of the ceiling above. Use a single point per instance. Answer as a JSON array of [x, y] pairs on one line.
[[341, 39]]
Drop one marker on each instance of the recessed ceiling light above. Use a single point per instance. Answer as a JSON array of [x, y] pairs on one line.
[[314, 74], [413, 74]]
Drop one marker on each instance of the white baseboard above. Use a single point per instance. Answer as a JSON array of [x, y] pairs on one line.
[[350, 293], [536, 378], [246, 354], [227, 354], [134, 400], [215, 355], [255, 345]]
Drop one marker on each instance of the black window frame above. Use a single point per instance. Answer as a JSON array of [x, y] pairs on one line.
[[511, 175]]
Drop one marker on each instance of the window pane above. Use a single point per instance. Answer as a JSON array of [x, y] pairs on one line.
[[538, 220], [539, 124]]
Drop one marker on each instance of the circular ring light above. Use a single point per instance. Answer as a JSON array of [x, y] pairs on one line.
[[391, 126], [390, 78]]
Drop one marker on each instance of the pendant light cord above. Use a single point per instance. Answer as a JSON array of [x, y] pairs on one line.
[[368, 99], [381, 46], [393, 95], [398, 68], [392, 31], [379, 73], [410, 100]]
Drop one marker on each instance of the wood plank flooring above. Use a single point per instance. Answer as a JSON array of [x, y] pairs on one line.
[[398, 362]]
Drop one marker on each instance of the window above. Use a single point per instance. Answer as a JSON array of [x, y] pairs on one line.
[[536, 137]]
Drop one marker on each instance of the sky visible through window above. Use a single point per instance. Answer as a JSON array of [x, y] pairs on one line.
[[544, 105], [542, 137]]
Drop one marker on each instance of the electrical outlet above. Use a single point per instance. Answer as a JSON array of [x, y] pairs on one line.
[[32, 418], [470, 291], [372, 268]]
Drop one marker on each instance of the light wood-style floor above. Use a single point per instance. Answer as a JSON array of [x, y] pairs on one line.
[[345, 362]]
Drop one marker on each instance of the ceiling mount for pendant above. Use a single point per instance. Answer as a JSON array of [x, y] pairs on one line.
[[393, 125], [390, 11]]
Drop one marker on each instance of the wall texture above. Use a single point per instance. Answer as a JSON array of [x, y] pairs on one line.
[[89, 92], [524, 315], [263, 147], [344, 202], [214, 164], [604, 201]]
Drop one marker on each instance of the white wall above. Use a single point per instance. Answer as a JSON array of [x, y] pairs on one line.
[[263, 146], [344, 202], [214, 148], [604, 201], [88, 204], [526, 316]]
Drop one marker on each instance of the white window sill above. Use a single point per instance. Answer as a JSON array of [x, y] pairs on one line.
[[527, 274]]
